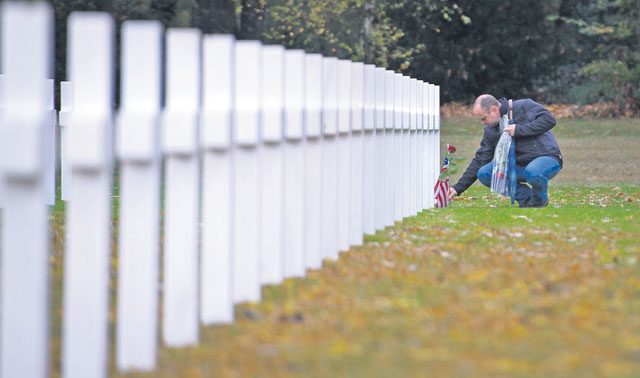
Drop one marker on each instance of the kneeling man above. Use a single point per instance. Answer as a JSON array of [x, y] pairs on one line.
[[538, 157]]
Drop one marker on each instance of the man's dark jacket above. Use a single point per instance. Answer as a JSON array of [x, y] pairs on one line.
[[533, 139]]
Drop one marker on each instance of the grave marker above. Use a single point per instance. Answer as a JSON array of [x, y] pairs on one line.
[[313, 170], [330, 167], [216, 262], [413, 154], [344, 153], [137, 144], [356, 203], [369, 158], [398, 160], [389, 148], [180, 124], [90, 61], [247, 209], [406, 146], [379, 152], [427, 189], [419, 154], [273, 76], [294, 176], [27, 47]]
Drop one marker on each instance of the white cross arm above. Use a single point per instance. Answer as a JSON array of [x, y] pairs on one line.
[[180, 117], [437, 107], [413, 105], [419, 101], [344, 96], [138, 118], [66, 102], [406, 102], [313, 94], [217, 92], [380, 93], [272, 92], [248, 81], [397, 100], [357, 95], [91, 47], [330, 96], [389, 80], [369, 96], [21, 128], [294, 93]]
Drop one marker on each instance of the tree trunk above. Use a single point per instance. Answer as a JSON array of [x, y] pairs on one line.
[[369, 48], [251, 15]]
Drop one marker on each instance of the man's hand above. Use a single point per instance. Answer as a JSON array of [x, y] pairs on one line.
[[452, 193], [511, 129]]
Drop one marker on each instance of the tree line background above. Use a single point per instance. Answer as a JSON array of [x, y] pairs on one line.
[[562, 51]]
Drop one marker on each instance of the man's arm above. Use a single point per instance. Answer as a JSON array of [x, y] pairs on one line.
[[542, 122], [470, 175]]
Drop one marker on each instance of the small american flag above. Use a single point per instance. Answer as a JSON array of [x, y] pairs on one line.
[[441, 190]]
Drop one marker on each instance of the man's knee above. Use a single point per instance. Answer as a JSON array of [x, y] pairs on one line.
[[534, 176], [484, 175]]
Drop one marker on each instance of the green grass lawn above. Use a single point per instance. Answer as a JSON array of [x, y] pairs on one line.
[[477, 289]]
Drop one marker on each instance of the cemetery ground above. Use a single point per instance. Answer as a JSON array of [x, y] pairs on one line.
[[477, 289]]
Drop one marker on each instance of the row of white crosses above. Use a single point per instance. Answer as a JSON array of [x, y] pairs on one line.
[[274, 160]]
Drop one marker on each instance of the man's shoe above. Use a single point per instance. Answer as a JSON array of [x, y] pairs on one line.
[[532, 204], [525, 203]]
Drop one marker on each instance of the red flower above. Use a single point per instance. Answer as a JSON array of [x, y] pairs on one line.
[[444, 169], [451, 148]]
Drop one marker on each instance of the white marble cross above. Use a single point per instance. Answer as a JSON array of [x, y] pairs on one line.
[[27, 46], [369, 158], [330, 168], [344, 153], [272, 158], [247, 208], [389, 148], [180, 129], [216, 261], [380, 149], [138, 148], [397, 147], [90, 59], [313, 161], [294, 173]]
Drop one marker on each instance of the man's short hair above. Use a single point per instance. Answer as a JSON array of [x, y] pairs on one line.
[[486, 101]]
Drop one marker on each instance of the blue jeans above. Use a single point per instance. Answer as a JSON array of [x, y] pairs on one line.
[[537, 174]]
